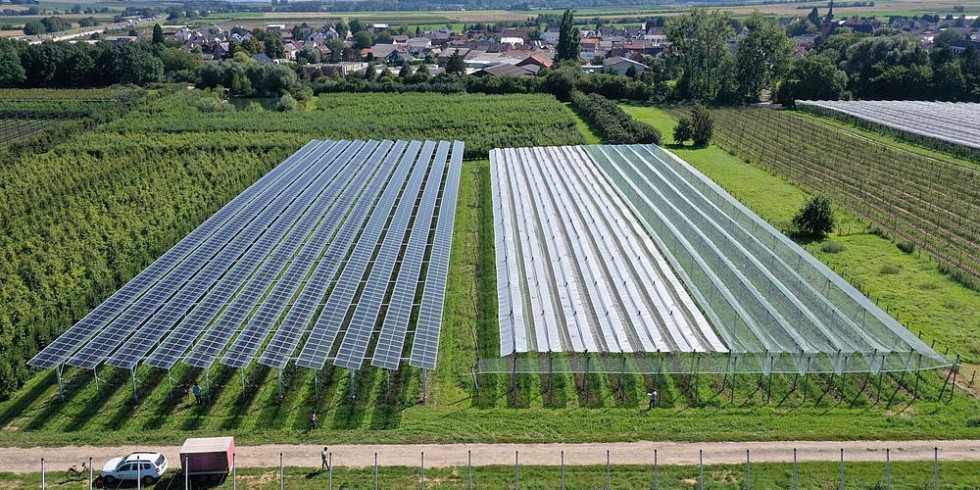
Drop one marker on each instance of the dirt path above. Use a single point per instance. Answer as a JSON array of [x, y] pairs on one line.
[[20, 460]]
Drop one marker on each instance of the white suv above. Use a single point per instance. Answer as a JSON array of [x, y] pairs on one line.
[[146, 467]]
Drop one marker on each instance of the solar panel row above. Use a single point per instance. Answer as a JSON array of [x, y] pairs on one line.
[[207, 349], [216, 255], [320, 342], [241, 352], [360, 330], [266, 264], [286, 339], [425, 345], [391, 339], [73, 338], [239, 250]]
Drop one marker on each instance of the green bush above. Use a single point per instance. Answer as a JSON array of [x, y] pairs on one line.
[[615, 125], [286, 103], [815, 218], [832, 247]]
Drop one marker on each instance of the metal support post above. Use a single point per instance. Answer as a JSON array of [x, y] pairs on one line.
[[242, 372], [282, 476], [700, 469], [748, 470], [469, 468], [656, 472], [956, 370], [61, 385], [139, 477], [517, 470], [234, 471], [734, 371], [796, 472], [329, 471], [91, 475], [425, 385], [170, 380], [44, 484], [95, 374], [422, 470], [375, 471], [586, 377], [935, 468], [697, 378], [132, 374], [841, 468], [207, 384], [608, 472], [888, 468], [918, 376], [563, 470], [187, 475], [279, 383]]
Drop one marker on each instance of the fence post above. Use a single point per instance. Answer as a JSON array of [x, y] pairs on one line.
[[375, 471], [43, 483], [841, 468], [91, 476], [700, 469], [562, 470], [608, 472], [748, 470], [935, 468], [329, 471], [888, 468], [517, 470], [469, 467], [422, 469], [139, 484], [796, 472], [282, 484], [234, 471], [187, 475], [656, 482]]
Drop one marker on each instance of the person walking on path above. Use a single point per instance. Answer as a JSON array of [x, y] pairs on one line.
[[653, 399], [197, 393], [323, 458], [313, 419]]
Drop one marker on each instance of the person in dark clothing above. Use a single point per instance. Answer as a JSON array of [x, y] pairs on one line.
[[197, 393], [653, 399], [313, 419]]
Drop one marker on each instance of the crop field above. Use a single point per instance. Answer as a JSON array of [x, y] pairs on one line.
[[923, 202], [27, 113]]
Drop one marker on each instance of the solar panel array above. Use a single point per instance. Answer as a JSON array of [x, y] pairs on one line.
[[338, 226], [953, 122]]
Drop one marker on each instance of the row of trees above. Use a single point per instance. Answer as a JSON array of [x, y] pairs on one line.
[[615, 125]]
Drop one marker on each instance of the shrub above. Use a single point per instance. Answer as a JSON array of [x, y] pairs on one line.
[[832, 247], [286, 103], [815, 218], [253, 106], [907, 247], [889, 270], [613, 123], [702, 126], [682, 132]]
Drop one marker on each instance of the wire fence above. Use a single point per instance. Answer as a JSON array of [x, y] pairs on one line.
[[603, 470]]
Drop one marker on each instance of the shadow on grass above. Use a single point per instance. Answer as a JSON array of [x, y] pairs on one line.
[[391, 400], [177, 395], [214, 387], [25, 400], [124, 413], [351, 409], [252, 384], [107, 389]]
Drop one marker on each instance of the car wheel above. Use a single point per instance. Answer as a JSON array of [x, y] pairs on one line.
[[149, 480], [110, 480]]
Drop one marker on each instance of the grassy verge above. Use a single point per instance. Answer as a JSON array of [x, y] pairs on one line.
[[904, 475]]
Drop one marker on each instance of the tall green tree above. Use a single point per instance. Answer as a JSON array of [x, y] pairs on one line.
[[455, 65], [699, 50], [274, 48], [568, 39], [157, 34], [12, 73], [762, 57], [815, 77], [887, 67]]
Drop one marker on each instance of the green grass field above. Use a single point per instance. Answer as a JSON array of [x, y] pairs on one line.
[[904, 475]]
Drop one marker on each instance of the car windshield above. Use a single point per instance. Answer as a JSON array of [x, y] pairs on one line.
[[161, 460]]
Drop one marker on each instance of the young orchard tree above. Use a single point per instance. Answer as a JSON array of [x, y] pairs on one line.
[[815, 218], [702, 126]]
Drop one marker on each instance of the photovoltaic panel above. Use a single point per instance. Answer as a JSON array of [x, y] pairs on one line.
[[286, 339], [214, 251], [241, 351], [214, 340], [239, 250], [320, 342], [361, 328], [73, 338], [391, 340], [425, 346]]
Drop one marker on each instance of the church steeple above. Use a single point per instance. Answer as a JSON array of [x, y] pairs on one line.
[[828, 22]]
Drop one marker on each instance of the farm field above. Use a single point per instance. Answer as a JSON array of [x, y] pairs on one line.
[[26, 113], [927, 203], [904, 475]]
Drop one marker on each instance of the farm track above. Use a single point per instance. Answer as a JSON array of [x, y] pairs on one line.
[[19, 460], [929, 203]]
